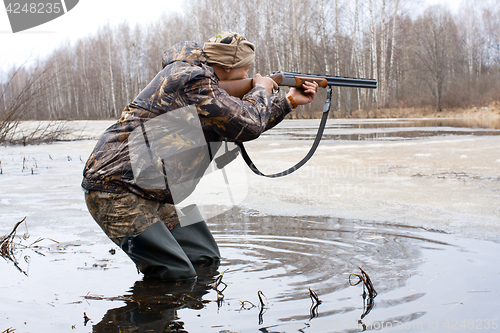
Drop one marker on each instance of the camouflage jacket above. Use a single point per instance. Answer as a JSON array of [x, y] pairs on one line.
[[185, 80]]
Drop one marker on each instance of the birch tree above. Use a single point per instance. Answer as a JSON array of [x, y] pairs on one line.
[[373, 46], [432, 48]]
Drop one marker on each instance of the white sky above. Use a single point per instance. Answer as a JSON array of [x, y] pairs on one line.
[[84, 19], [453, 4]]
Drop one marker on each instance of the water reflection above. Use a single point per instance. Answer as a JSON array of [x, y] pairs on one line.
[[284, 258], [291, 254], [152, 305], [313, 250]]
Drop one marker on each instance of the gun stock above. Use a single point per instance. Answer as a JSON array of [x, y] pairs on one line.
[[238, 88]]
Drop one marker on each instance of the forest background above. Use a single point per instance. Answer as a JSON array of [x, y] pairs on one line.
[[435, 63]]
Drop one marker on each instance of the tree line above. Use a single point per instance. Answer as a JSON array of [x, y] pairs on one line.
[[420, 58]]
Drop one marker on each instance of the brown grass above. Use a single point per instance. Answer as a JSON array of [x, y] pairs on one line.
[[11, 243], [8, 246], [492, 110]]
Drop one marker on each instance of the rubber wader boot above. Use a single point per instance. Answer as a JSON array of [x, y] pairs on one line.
[[195, 238], [157, 254]]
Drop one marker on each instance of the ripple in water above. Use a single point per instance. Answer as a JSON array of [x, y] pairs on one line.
[[284, 256]]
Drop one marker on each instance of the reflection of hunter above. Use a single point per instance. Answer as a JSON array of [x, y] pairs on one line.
[[143, 221], [152, 307]]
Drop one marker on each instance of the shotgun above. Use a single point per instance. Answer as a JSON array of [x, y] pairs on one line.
[[238, 88]]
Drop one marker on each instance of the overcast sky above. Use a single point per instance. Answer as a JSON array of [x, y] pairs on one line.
[[84, 19]]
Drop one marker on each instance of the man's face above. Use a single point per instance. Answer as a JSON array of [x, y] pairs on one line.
[[237, 73]]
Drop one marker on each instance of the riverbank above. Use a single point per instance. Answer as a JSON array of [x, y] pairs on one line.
[[492, 110]]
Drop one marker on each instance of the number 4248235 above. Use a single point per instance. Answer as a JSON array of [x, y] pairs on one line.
[[34, 8]]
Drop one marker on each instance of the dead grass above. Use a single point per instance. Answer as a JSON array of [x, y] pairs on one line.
[[8, 246], [11, 243], [9, 330], [29, 133], [492, 110]]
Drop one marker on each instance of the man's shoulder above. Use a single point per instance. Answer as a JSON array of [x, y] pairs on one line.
[[189, 72], [187, 52]]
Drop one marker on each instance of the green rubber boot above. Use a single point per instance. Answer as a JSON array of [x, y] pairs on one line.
[[157, 254], [195, 238]]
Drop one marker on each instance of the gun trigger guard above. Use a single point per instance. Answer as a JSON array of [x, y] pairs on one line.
[[275, 91]]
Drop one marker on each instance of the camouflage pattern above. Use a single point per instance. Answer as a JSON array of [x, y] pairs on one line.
[[227, 37], [186, 79], [175, 148], [229, 50], [125, 214]]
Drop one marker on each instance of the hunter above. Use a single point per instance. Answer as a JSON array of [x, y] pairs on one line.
[[142, 220]]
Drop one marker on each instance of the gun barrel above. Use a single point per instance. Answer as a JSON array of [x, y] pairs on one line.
[[297, 79]]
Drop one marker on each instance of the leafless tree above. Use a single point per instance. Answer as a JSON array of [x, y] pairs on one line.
[[434, 35], [433, 58], [24, 92]]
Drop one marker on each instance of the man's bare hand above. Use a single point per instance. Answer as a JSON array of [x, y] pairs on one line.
[[305, 94], [266, 82]]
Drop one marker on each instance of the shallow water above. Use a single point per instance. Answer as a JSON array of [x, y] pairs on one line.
[[424, 279], [416, 221], [387, 129]]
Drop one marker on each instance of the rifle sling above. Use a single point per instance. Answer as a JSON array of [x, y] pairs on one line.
[[319, 134]]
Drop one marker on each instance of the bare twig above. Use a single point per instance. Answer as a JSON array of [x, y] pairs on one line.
[[262, 306], [107, 298], [85, 319], [219, 300], [315, 303], [218, 282], [368, 303], [363, 277], [261, 294], [9, 330], [243, 305], [314, 296], [7, 246]]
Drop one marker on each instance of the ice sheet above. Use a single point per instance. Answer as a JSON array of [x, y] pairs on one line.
[[449, 183]]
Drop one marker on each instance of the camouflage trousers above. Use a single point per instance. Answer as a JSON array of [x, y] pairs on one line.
[[121, 215]]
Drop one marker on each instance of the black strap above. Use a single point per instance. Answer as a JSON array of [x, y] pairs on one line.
[[326, 109]]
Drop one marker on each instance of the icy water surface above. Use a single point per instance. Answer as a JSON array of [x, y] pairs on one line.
[[414, 214], [388, 129], [424, 279]]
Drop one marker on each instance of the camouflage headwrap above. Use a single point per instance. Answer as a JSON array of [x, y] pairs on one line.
[[229, 50]]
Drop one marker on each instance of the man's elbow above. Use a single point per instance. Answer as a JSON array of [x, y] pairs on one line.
[[250, 130]]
